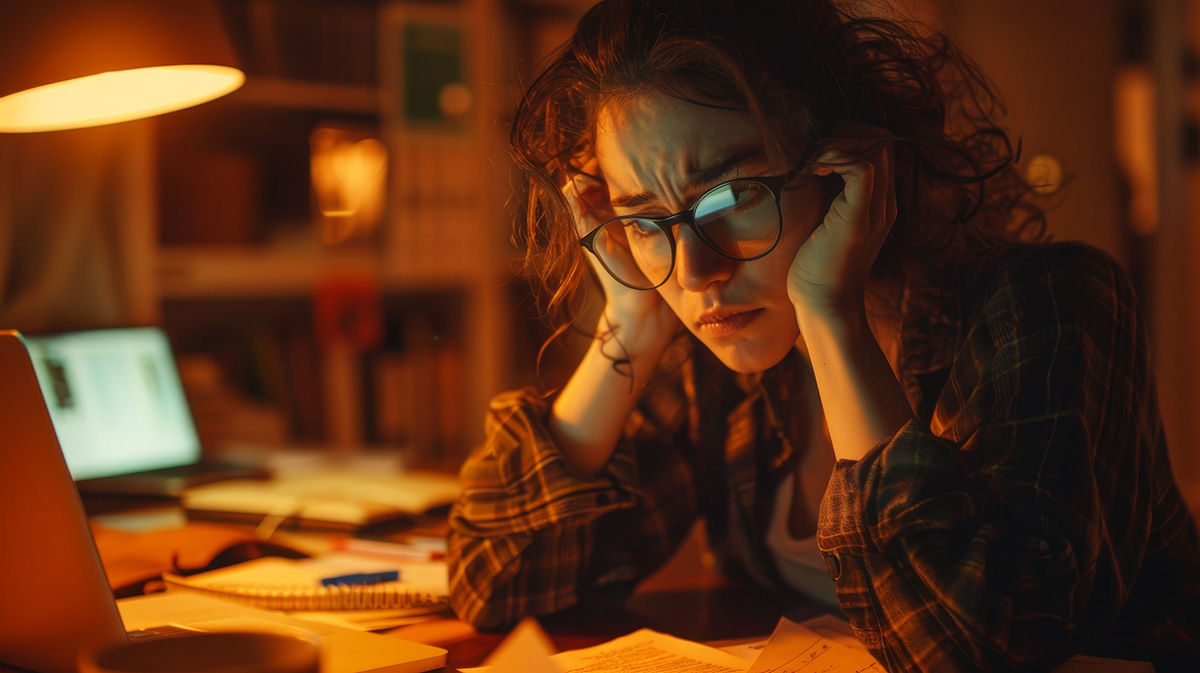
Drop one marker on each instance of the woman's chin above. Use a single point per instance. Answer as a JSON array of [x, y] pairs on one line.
[[756, 346], [749, 358]]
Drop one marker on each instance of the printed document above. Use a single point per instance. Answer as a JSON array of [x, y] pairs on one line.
[[791, 648]]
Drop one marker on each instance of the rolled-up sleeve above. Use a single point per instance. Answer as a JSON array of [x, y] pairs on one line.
[[1008, 530], [528, 537]]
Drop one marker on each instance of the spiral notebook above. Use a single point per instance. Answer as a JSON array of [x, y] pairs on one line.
[[297, 586]]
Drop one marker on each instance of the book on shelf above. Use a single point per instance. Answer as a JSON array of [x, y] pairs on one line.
[[418, 384], [318, 40]]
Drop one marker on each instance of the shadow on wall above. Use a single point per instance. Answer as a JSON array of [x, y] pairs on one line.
[[69, 224]]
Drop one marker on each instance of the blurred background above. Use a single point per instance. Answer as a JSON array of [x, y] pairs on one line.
[[329, 249]]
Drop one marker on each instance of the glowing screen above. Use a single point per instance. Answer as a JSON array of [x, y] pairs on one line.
[[116, 400]]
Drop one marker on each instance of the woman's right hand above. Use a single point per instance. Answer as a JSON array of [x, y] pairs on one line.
[[639, 319], [591, 410]]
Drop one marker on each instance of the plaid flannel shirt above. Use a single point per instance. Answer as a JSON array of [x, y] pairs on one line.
[[1029, 514]]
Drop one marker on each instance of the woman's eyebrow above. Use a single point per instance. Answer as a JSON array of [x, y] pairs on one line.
[[697, 181], [704, 178], [631, 200]]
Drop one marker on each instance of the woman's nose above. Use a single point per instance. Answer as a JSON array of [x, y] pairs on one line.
[[696, 265]]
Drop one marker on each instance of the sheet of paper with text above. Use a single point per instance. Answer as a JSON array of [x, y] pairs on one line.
[[794, 648]]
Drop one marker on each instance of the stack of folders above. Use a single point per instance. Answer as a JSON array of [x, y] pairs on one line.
[[332, 499]]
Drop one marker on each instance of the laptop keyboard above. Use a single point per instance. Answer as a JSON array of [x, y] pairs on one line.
[[164, 631], [260, 624], [197, 470]]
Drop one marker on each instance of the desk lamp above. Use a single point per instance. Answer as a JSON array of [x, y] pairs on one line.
[[67, 64]]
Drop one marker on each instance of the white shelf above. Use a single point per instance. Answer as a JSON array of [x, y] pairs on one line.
[[265, 272], [234, 272]]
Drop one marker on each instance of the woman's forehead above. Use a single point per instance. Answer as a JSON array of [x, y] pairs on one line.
[[642, 136]]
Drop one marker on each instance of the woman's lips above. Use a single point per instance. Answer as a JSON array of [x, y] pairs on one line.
[[723, 324]]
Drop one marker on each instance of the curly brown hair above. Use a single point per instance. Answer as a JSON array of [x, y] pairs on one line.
[[803, 69]]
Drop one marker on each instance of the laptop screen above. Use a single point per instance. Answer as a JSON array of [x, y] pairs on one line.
[[116, 400]]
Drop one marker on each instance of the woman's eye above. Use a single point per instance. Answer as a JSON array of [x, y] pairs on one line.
[[641, 228], [742, 195], [727, 200]]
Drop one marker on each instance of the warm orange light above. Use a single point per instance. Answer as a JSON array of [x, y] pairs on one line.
[[111, 97], [1135, 125], [1044, 173], [349, 181]]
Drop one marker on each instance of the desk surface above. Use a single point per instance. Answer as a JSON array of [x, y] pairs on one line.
[[713, 614], [686, 598]]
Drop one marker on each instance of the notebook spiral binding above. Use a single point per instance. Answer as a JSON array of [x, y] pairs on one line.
[[383, 596]]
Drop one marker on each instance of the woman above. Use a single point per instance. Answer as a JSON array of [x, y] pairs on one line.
[[831, 328]]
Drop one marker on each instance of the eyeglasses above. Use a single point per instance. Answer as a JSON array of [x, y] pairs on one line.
[[739, 219]]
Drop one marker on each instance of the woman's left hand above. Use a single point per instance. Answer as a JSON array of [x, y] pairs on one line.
[[827, 283], [829, 273]]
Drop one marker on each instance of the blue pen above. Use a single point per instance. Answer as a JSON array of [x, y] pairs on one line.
[[362, 578]]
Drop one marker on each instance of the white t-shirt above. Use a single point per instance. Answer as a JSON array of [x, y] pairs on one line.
[[800, 562]]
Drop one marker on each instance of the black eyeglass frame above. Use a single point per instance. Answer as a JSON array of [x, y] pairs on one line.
[[773, 183]]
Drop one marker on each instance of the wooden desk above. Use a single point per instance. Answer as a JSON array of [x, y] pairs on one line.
[[686, 598], [716, 615]]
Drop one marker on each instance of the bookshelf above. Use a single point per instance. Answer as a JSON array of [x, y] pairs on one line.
[[398, 336]]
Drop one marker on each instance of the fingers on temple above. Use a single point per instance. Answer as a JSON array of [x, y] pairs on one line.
[[865, 164], [891, 185], [587, 198], [572, 193]]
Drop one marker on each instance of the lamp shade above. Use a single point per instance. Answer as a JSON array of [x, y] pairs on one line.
[[73, 63]]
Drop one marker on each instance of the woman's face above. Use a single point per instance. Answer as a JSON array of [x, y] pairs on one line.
[[658, 155]]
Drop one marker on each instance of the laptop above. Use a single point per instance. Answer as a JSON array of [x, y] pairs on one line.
[[121, 414], [55, 600]]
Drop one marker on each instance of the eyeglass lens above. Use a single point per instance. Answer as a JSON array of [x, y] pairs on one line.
[[739, 219]]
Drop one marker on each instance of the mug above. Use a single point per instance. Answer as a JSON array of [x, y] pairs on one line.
[[207, 653]]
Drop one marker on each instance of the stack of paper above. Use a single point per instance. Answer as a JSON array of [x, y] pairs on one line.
[[820, 645], [791, 649]]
